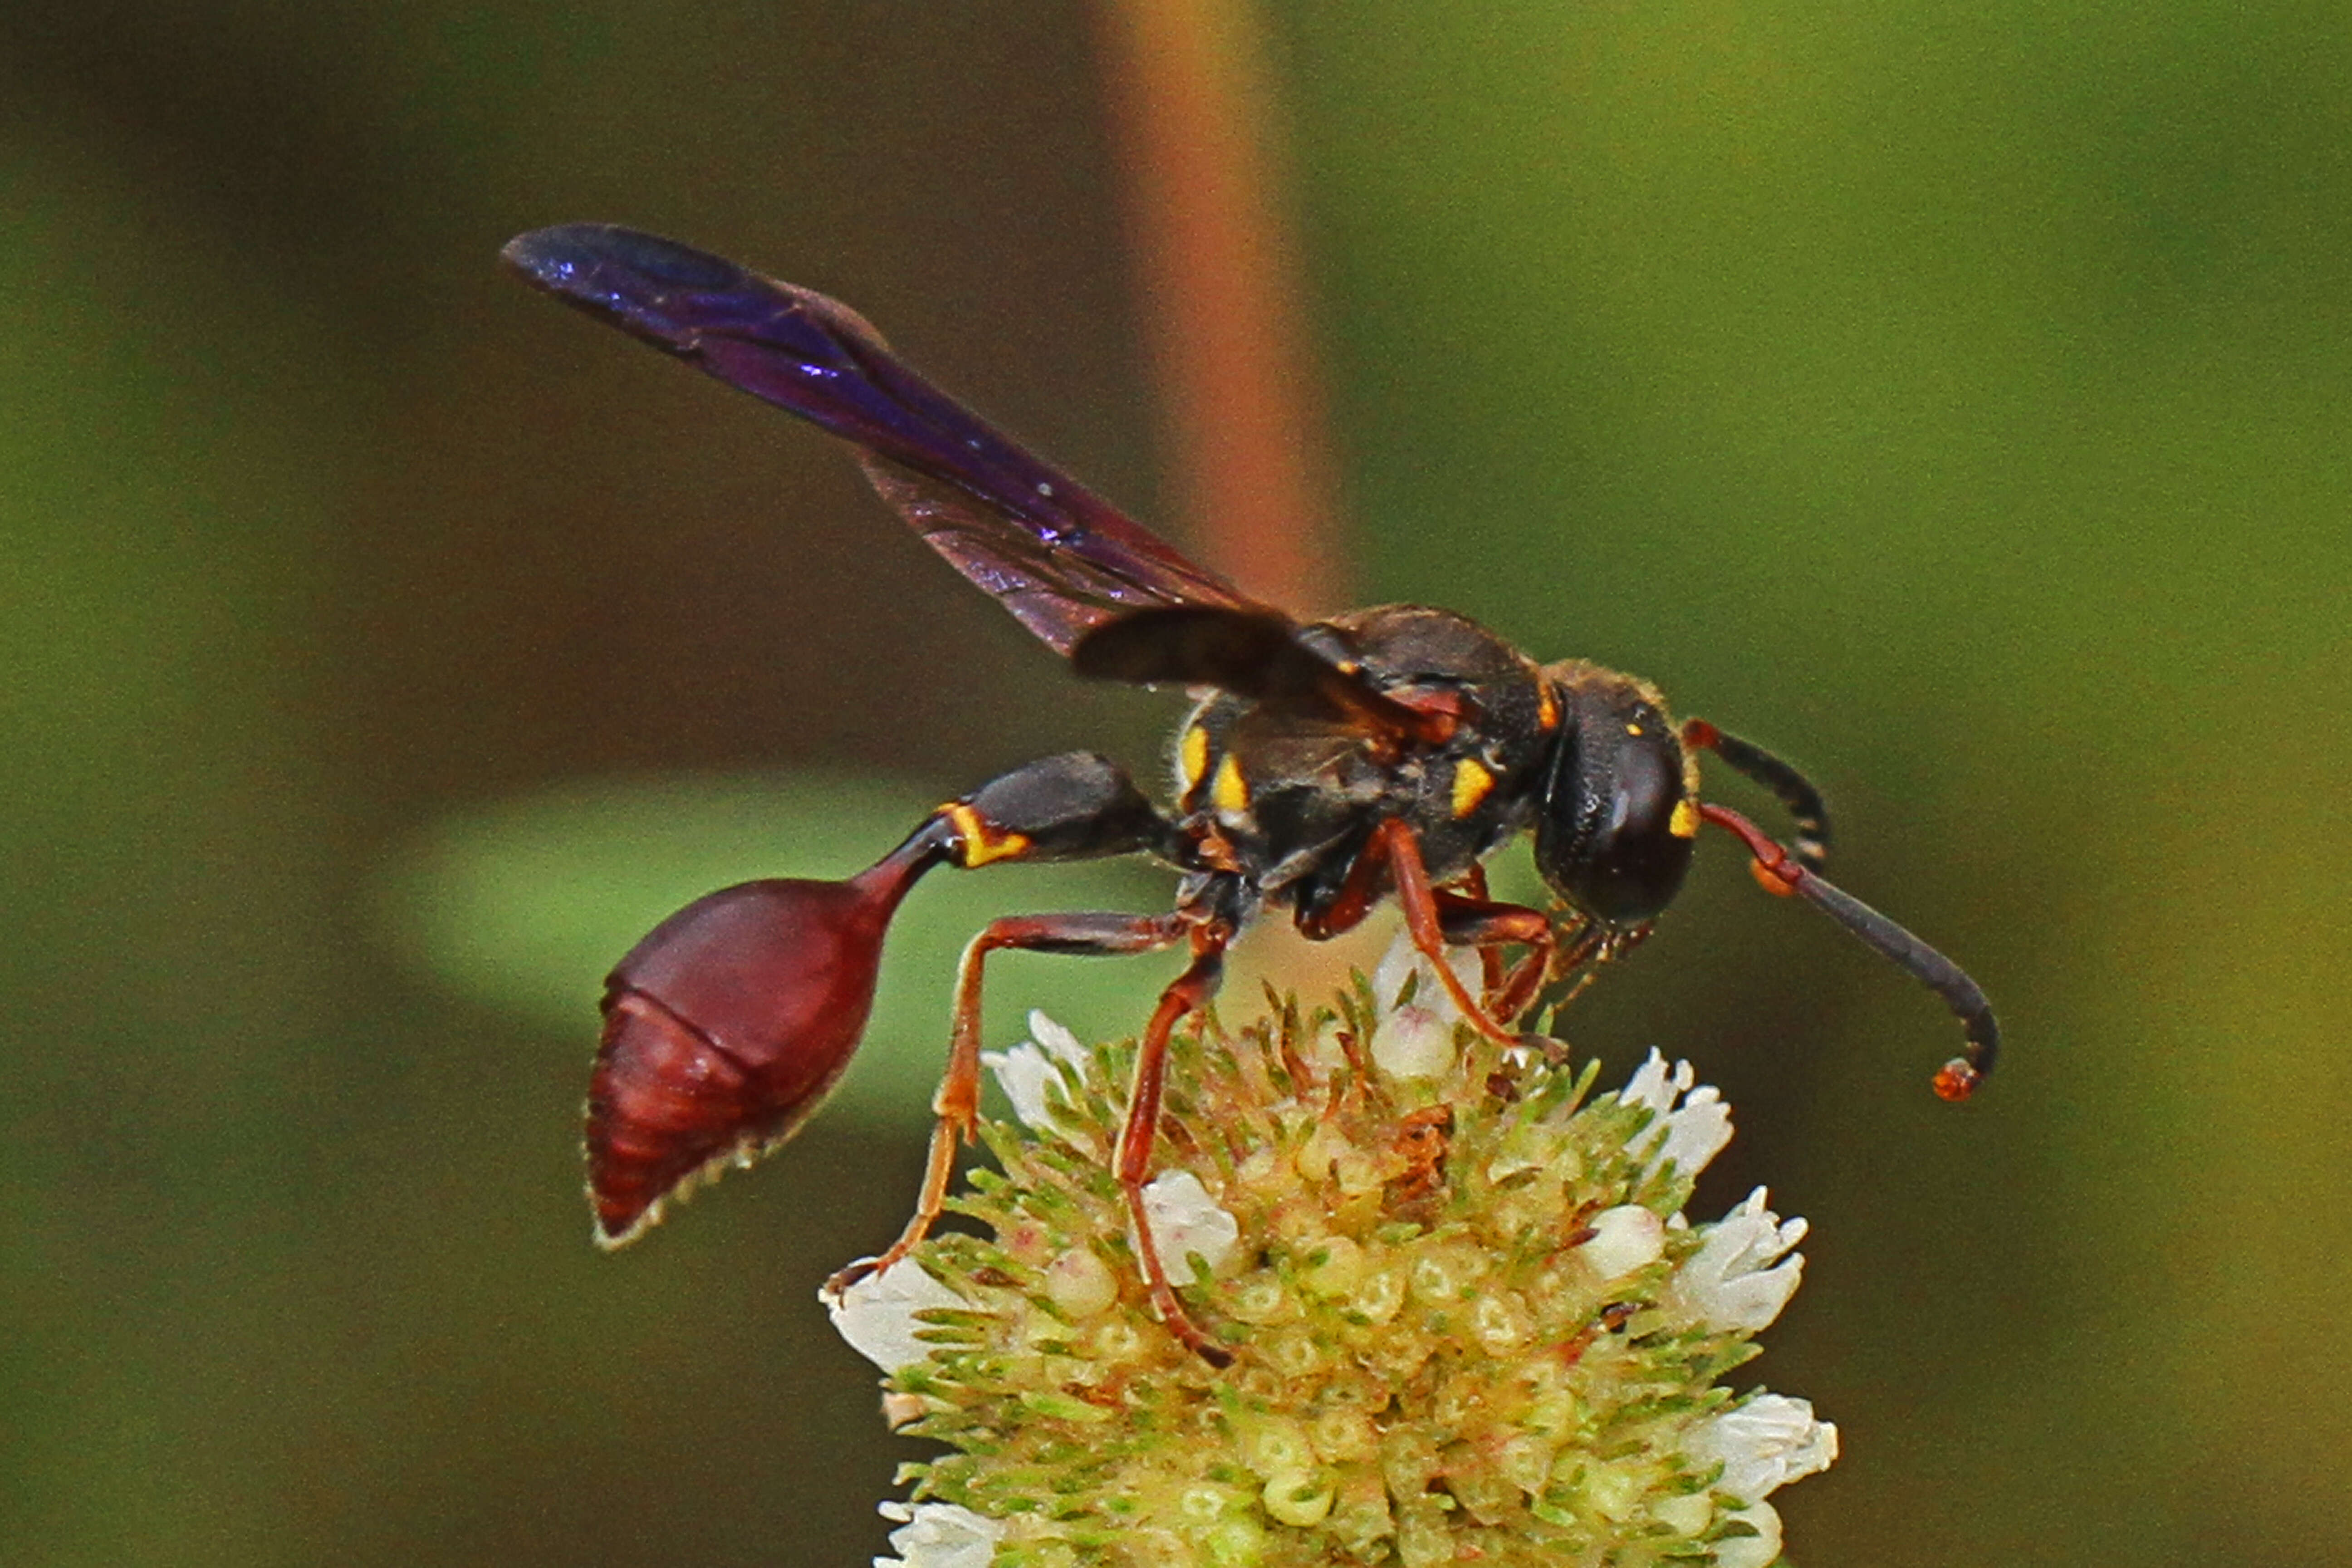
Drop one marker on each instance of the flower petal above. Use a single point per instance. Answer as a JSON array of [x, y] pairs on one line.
[[1625, 1238], [1415, 1041], [1765, 1443], [940, 1535], [1184, 1221], [1028, 1071], [1403, 960], [1058, 1042], [1656, 1084], [1743, 1273], [877, 1314], [1758, 1550], [1415, 1038], [1694, 1123]]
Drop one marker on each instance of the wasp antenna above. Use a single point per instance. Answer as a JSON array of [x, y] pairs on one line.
[[1807, 813], [1958, 1077]]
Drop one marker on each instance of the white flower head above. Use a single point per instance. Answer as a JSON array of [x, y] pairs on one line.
[[1693, 1124], [1028, 1069], [940, 1535], [1358, 1241], [1743, 1272], [1185, 1220], [877, 1314], [1764, 1443]]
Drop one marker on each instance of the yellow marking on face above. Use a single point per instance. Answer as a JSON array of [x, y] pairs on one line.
[[1634, 729], [1547, 706], [1193, 757], [1230, 793], [1685, 822], [981, 843], [1472, 784]]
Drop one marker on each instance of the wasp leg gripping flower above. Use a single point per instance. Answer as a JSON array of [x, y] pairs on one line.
[[1470, 1322]]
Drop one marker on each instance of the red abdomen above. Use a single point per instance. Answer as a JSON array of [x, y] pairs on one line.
[[723, 1030]]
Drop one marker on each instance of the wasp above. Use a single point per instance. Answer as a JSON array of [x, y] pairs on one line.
[[1326, 766]]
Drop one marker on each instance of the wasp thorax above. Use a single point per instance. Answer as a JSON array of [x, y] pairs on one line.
[[1618, 813]]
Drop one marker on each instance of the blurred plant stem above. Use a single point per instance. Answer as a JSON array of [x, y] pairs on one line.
[[1197, 130]]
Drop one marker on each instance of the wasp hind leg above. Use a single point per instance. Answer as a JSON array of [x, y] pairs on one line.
[[1076, 806], [1186, 993], [957, 1104]]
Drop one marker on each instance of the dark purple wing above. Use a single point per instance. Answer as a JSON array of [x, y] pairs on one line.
[[1061, 558]]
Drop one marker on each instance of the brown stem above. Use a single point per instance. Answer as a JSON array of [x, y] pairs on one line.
[[1191, 115]]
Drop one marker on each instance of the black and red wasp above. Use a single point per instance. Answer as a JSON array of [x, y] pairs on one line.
[[1327, 765]]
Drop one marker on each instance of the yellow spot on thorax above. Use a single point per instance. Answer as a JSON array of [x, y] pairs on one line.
[[981, 843], [1547, 706], [1193, 757], [1685, 822], [1472, 784], [1633, 729], [1229, 792]]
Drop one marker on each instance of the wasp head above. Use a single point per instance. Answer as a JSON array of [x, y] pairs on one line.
[[1620, 802]]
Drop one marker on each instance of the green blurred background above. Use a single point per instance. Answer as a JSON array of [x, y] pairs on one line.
[[1954, 399]]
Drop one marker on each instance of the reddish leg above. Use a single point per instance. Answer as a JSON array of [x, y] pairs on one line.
[[957, 1103], [1186, 993], [1392, 843], [1490, 927], [1394, 848], [1471, 886], [1594, 945]]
